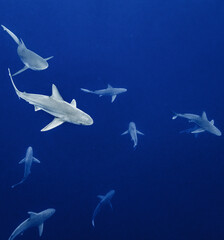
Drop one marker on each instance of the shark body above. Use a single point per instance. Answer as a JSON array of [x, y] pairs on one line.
[[109, 91], [35, 220], [133, 133], [201, 121], [28, 160], [104, 200], [30, 59], [56, 106]]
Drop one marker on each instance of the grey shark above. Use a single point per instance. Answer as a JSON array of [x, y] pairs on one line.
[[30, 59], [55, 106], [133, 132], [104, 200], [28, 160], [35, 220], [201, 121], [109, 91]]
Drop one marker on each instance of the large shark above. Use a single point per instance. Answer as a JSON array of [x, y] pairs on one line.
[[35, 220], [201, 121], [109, 91], [30, 59], [103, 201], [28, 160], [133, 132], [56, 106]]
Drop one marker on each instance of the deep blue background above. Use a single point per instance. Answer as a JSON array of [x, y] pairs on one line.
[[169, 55]]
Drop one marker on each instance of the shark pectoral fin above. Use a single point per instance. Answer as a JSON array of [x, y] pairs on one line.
[[73, 103], [93, 223], [35, 160], [140, 133], [37, 108], [100, 95], [113, 98], [55, 123], [48, 58], [22, 161], [126, 132], [20, 71], [55, 93], [100, 197], [199, 130], [110, 204], [41, 228]]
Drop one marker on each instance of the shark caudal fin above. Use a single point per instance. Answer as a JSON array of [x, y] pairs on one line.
[[14, 37], [17, 91], [86, 90]]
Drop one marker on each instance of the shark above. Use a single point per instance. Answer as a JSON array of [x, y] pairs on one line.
[[35, 220], [28, 160], [30, 59], [104, 200], [55, 106], [109, 91], [133, 132], [201, 121]]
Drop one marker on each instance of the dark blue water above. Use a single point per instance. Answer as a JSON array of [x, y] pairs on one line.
[[169, 55]]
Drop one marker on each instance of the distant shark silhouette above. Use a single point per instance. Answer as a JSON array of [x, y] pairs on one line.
[[56, 106], [28, 160], [201, 121], [103, 201], [133, 132], [109, 91], [35, 220], [30, 59]]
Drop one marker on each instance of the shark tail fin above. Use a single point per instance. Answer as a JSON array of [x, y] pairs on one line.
[[17, 91], [86, 90], [14, 37], [13, 186]]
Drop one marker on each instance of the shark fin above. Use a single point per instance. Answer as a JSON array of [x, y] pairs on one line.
[[204, 116], [126, 132], [86, 90], [113, 98], [48, 58], [41, 228], [37, 108], [212, 122], [199, 130], [100, 197], [20, 71], [22, 161], [14, 37], [73, 103], [55, 123], [140, 133], [110, 204], [109, 86], [93, 223], [32, 214], [55, 93], [35, 160]]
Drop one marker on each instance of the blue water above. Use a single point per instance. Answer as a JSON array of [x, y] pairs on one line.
[[169, 55]]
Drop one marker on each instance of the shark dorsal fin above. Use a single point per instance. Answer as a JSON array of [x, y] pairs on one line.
[[109, 86], [73, 103], [32, 214], [212, 122], [100, 197], [204, 116], [55, 93]]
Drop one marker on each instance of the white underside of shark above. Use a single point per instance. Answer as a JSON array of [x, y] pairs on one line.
[[55, 106], [201, 121], [30, 59], [133, 133], [109, 91]]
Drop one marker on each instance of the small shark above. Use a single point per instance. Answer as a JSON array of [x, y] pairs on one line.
[[109, 91], [56, 106], [28, 160], [133, 132], [103, 200], [30, 59], [35, 220], [201, 121]]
